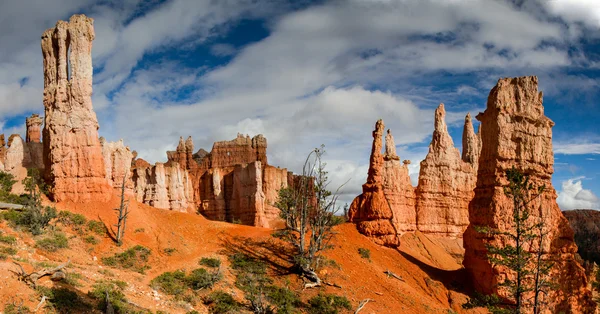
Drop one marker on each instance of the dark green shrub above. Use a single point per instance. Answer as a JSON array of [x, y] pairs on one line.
[[328, 304], [134, 258], [492, 302], [91, 240], [220, 302], [53, 243], [73, 279], [7, 180], [96, 227], [364, 253], [8, 250], [243, 262], [202, 279], [177, 282], [37, 218], [169, 251], [114, 289], [210, 262], [71, 219], [284, 299], [170, 282], [16, 309]]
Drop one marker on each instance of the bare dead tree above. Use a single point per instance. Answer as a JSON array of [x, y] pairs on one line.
[[309, 208], [123, 212], [31, 279]]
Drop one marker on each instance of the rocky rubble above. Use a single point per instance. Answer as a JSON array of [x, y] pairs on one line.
[[516, 133]]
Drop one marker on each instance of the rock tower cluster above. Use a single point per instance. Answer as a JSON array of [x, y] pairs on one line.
[[390, 206]]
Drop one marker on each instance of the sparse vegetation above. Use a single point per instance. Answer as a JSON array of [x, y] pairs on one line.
[[7, 180], [16, 309], [328, 304], [220, 302], [210, 262], [91, 240], [71, 219], [63, 300], [133, 258], [169, 251], [138, 230], [113, 291], [285, 300], [53, 242], [96, 227], [7, 239], [177, 282], [364, 253]]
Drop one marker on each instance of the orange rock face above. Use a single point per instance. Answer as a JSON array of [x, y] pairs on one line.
[[386, 208], [72, 152], [34, 126], [516, 133], [446, 182], [117, 160]]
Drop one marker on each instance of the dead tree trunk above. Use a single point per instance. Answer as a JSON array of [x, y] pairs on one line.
[[123, 212]]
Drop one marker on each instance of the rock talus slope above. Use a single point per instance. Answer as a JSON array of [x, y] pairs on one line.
[[516, 133]]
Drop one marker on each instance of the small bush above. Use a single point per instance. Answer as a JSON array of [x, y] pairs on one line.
[[139, 230], [91, 240], [169, 251], [202, 279], [53, 243], [170, 282], [16, 309], [284, 299], [7, 250], [243, 262], [210, 262], [328, 304], [8, 239], [71, 219], [114, 289], [134, 258], [177, 282], [96, 227], [364, 253], [73, 279], [220, 302], [491, 302], [36, 217], [7, 180]]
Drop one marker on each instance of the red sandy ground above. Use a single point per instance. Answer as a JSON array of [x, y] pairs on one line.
[[433, 280]]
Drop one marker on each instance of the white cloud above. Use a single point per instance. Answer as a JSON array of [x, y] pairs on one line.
[[574, 196], [587, 11], [574, 148]]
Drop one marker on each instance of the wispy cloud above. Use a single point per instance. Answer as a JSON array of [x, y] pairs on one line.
[[582, 148]]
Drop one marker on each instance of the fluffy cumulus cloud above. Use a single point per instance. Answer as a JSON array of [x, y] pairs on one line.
[[574, 196], [322, 73]]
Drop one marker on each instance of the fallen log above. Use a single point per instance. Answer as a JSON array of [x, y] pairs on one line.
[[31, 279], [10, 206]]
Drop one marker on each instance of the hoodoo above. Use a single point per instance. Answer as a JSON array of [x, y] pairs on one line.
[[516, 133], [446, 182], [73, 158]]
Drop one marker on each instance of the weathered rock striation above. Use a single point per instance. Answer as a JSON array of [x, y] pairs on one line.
[[386, 208], [34, 126], [73, 158], [117, 161], [516, 133], [446, 182], [231, 183]]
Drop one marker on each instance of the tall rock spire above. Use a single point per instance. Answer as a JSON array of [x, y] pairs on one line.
[[470, 143], [445, 185], [516, 133], [72, 151]]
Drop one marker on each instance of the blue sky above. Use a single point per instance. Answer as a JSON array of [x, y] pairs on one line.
[[309, 72]]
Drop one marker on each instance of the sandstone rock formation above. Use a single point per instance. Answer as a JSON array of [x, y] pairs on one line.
[[165, 186], [34, 126], [385, 209], [516, 133], [586, 226], [446, 182], [117, 162], [73, 158]]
